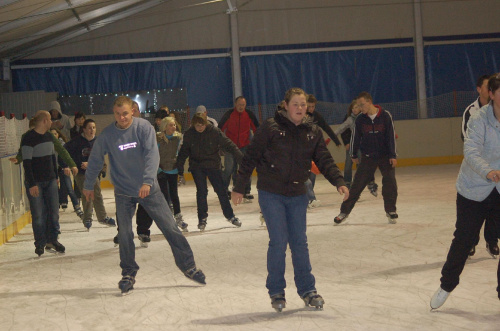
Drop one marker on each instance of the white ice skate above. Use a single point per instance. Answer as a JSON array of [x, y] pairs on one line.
[[392, 216], [144, 239], [439, 298]]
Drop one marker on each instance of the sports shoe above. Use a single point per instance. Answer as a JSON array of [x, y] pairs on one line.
[[313, 299], [54, 247], [87, 224], [373, 187], [202, 224], [278, 302], [439, 298], [108, 221], [39, 250], [144, 239], [492, 249], [341, 218], [126, 284], [180, 222], [392, 216], [234, 221], [195, 274], [79, 212], [314, 204]]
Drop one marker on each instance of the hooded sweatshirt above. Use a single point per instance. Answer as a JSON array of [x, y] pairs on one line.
[[64, 119]]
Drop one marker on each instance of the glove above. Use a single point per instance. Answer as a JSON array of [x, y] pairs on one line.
[[181, 180]]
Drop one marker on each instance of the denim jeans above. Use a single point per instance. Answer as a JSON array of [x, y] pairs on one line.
[[470, 217], [231, 169], [44, 212], [310, 187], [65, 189], [215, 178], [156, 206], [286, 223]]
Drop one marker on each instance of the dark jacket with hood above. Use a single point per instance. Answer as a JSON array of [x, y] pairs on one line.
[[375, 138], [282, 153], [203, 149]]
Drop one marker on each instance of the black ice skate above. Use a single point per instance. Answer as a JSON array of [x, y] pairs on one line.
[[278, 302], [180, 222], [492, 249], [196, 275], [116, 241], [313, 299], [247, 198], [373, 187], [472, 251], [392, 216], [108, 221], [79, 212], [87, 224], [55, 247], [39, 250], [342, 218], [234, 221], [144, 239], [202, 224], [126, 284]]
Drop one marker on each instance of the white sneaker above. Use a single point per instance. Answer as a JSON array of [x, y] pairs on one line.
[[314, 204], [439, 298]]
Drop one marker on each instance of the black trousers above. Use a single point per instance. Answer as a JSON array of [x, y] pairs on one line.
[[364, 175], [168, 186], [470, 217]]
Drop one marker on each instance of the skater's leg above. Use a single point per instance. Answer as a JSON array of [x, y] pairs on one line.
[[389, 184], [274, 211], [470, 216], [248, 187], [490, 231], [348, 169], [157, 207], [66, 181], [38, 220], [215, 178], [296, 209], [87, 206], [200, 180], [100, 210], [229, 166], [143, 220], [63, 190], [51, 210], [125, 209], [171, 184], [366, 169]]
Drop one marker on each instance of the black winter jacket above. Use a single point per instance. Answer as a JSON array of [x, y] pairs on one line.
[[375, 138], [203, 149], [282, 153]]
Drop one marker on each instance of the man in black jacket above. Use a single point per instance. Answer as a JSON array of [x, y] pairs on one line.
[[374, 136]]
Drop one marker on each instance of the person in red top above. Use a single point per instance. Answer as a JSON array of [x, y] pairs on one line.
[[237, 124]]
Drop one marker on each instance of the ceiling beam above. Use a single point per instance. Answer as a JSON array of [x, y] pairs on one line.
[[38, 15], [82, 30]]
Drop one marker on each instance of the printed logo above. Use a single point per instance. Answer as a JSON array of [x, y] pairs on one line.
[[127, 146]]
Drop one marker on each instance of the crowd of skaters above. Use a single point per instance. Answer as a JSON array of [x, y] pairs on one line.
[[285, 149]]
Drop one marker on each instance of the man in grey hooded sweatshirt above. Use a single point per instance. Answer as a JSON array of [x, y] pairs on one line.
[[59, 120]]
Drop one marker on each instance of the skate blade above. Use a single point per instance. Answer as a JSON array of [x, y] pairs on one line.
[[279, 310], [143, 244], [53, 251], [247, 201], [393, 220], [127, 292], [116, 245]]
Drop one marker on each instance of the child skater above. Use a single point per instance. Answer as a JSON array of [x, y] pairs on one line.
[[282, 150]]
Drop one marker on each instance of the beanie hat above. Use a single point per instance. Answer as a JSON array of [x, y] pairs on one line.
[[201, 109]]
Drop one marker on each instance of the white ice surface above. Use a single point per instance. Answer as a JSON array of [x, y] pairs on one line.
[[372, 275]]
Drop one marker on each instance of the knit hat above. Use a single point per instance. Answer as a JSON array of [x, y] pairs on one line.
[[55, 105], [201, 109]]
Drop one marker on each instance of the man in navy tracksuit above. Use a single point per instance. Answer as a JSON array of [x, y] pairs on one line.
[[374, 136]]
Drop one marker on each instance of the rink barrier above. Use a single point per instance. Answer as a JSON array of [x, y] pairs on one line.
[[14, 228]]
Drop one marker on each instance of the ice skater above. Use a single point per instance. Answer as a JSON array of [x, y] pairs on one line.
[[282, 150], [478, 186], [374, 136], [133, 154]]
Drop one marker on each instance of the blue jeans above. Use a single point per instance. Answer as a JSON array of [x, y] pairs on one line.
[[156, 206], [231, 169], [215, 178], [286, 223], [310, 187], [44, 212], [66, 188]]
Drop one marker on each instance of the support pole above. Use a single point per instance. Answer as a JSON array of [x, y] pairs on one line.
[[419, 61], [235, 49]]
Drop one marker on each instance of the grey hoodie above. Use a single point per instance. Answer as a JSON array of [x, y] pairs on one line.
[[62, 118]]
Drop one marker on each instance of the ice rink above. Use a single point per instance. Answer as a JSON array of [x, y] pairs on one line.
[[372, 275]]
